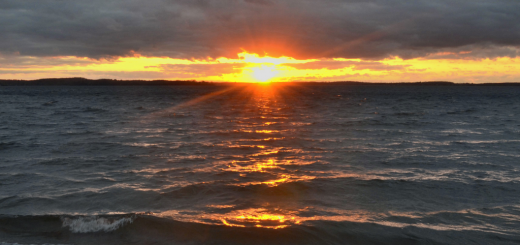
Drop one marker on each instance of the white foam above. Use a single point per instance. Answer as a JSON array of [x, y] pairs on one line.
[[95, 224]]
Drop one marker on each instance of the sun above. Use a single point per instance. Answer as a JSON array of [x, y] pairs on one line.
[[253, 68], [263, 72]]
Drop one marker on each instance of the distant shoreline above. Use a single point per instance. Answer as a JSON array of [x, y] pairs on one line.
[[113, 82]]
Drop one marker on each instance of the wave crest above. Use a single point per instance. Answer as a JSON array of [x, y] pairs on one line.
[[95, 224]]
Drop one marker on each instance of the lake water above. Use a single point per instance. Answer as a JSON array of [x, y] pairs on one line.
[[265, 164]]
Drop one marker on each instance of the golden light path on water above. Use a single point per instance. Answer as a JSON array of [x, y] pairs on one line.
[[264, 105]]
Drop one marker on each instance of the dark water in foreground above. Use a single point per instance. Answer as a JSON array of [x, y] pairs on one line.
[[260, 165]]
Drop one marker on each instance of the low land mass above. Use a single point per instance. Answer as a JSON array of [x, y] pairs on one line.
[[78, 81]]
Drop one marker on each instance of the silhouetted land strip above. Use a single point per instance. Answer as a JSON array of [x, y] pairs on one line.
[[78, 81], [427, 83]]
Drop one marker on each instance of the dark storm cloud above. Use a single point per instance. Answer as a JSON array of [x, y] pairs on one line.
[[263, 2], [22, 62], [298, 28]]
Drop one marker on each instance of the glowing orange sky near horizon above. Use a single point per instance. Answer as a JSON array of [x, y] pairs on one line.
[[249, 67]]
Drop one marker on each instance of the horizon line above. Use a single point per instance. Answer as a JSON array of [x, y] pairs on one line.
[[114, 82]]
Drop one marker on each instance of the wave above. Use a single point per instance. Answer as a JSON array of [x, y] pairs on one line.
[[95, 224], [141, 228], [9, 145], [93, 109]]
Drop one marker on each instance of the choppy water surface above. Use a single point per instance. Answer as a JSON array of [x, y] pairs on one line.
[[260, 165]]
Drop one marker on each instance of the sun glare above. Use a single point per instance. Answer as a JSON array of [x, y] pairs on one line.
[[263, 73], [262, 69]]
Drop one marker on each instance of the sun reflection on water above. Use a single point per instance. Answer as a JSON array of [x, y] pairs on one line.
[[259, 218], [271, 218]]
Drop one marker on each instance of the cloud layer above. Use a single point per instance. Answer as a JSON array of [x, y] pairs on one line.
[[368, 29]]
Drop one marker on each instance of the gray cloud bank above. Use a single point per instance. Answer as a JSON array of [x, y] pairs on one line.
[[368, 29]]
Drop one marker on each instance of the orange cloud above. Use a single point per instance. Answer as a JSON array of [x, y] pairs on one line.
[[248, 67]]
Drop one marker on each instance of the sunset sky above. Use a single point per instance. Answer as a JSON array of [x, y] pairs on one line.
[[262, 40]]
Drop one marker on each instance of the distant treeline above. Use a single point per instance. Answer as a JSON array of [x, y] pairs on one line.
[[78, 81], [426, 83]]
